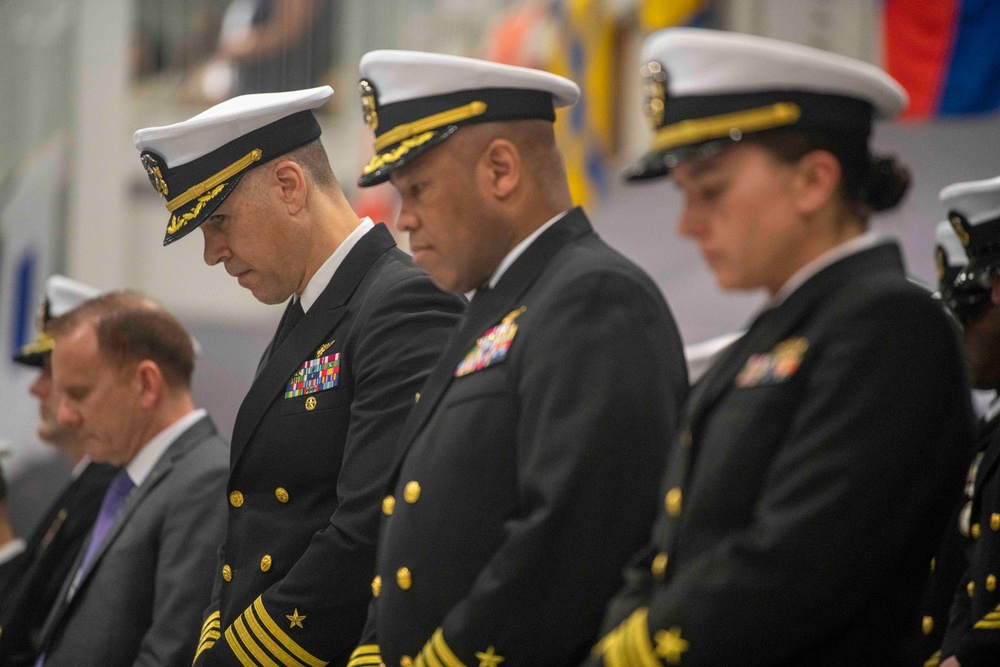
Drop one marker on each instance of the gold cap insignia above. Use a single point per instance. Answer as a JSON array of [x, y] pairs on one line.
[[956, 223], [654, 88], [152, 166], [368, 104], [939, 259]]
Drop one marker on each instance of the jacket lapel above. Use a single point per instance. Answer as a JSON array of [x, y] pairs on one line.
[[323, 317], [188, 439], [485, 310], [774, 325]]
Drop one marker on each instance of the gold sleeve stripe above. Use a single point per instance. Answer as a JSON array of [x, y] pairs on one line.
[[214, 627], [934, 660], [286, 641], [715, 127], [209, 638], [430, 660], [612, 648], [219, 177], [255, 627], [432, 122], [442, 650], [989, 622], [366, 654], [637, 637], [256, 650], [365, 660], [204, 646], [234, 646]]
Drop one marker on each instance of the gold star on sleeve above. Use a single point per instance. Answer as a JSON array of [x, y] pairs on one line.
[[295, 619]]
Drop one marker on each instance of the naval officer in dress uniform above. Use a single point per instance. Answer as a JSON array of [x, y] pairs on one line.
[[34, 578], [949, 562], [972, 638], [811, 479], [315, 435], [528, 470]]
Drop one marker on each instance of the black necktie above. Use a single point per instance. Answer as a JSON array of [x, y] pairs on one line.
[[292, 318]]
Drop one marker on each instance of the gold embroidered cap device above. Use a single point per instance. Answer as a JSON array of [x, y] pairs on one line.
[[412, 101], [706, 89], [195, 164]]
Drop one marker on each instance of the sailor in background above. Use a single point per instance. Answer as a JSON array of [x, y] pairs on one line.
[[315, 435], [972, 638], [949, 562], [34, 578], [529, 468], [810, 481]]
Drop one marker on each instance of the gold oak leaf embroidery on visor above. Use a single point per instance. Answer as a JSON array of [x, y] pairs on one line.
[[178, 222], [402, 149]]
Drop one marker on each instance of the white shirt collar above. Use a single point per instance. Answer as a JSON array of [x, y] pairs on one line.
[[324, 274], [80, 466], [992, 410], [519, 249], [11, 549], [142, 463], [857, 244]]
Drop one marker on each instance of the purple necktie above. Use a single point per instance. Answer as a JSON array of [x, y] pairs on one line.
[[114, 500]]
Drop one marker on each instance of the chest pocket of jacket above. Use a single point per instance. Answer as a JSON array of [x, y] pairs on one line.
[[488, 382]]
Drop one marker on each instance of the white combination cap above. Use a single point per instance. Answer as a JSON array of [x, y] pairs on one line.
[[62, 295], [195, 164], [974, 214], [705, 87], [413, 101]]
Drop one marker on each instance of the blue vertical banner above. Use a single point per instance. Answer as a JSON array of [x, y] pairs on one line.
[[23, 302]]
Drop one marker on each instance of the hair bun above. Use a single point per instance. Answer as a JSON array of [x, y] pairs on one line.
[[888, 181]]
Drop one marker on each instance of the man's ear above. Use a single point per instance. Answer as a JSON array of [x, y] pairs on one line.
[[499, 169], [292, 187], [817, 177], [149, 383]]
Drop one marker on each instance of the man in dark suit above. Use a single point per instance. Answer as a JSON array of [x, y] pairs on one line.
[[529, 467], [122, 369], [811, 479], [32, 580], [316, 433], [972, 637]]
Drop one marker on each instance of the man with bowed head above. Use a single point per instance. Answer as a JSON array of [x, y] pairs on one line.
[[122, 369], [528, 469], [315, 435]]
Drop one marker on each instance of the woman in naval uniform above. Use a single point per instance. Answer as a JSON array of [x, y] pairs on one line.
[[811, 478]]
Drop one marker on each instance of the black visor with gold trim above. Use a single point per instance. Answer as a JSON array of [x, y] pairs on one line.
[[701, 125], [195, 189], [33, 353], [406, 129]]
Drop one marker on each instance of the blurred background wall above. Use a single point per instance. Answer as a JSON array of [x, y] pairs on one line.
[[78, 77]]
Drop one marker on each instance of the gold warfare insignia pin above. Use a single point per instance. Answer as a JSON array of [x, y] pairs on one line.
[[323, 348], [654, 88], [152, 166], [369, 108], [956, 224]]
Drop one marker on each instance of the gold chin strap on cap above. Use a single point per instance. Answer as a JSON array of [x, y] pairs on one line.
[[219, 177], [697, 130], [406, 130]]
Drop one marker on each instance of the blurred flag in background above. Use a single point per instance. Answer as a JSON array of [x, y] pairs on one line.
[[946, 53]]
